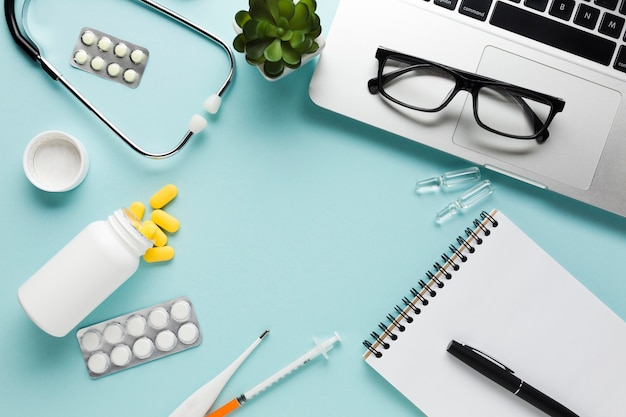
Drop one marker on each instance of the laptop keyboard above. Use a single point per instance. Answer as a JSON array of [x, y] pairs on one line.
[[591, 29]]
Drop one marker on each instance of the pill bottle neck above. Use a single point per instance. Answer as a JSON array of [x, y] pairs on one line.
[[126, 227]]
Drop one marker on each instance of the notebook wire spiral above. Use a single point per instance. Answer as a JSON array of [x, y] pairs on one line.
[[426, 290]]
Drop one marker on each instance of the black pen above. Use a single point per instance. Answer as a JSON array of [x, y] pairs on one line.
[[503, 376]]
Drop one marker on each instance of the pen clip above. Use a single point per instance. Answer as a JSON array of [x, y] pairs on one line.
[[490, 359]]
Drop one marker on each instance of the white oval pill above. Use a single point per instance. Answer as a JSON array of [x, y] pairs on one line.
[[137, 56], [181, 311], [98, 362], [188, 333], [114, 333], [104, 44], [121, 355], [114, 69], [166, 341], [88, 38], [136, 326], [121, 50], [91, 340], [81, 57], [97, 63], [158, 318], [130, 76], [143, 348]]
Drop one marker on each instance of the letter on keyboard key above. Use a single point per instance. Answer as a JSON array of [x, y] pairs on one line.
[[553, 33], [478, 9]]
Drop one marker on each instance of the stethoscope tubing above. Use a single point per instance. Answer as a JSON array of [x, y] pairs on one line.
[[32, 50]]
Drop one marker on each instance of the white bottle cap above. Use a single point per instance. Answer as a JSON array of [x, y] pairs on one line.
[[55, 161]]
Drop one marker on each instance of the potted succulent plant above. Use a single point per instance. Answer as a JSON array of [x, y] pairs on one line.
[[278, 36]]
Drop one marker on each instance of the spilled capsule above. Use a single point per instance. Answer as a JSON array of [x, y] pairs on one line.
[[138, 209], [159, 254], [163, 196], [165, 221]]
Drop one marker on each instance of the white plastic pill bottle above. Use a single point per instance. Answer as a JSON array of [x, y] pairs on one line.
[[84, 273]]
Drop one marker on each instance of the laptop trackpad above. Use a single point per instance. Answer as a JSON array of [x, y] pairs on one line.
[[577, 134]]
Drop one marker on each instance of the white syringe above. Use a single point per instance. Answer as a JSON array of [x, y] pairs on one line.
[[319, 349]]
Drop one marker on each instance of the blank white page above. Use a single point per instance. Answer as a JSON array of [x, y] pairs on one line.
[[514, 302]]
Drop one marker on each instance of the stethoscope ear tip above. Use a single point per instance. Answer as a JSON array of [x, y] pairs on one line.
[[212, 103], [197, 123]]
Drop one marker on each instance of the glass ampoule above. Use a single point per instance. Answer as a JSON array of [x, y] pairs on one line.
[[451, 179], [465, 200]]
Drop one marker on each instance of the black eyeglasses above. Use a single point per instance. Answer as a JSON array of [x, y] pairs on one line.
[[499, 107]]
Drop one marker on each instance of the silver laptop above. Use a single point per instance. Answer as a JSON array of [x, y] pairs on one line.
[[570, 49]]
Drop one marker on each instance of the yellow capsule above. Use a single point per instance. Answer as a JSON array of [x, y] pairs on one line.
[[159, 238], [148, 229], [165, 221], [163, 196], [138, 209], [159, 254]]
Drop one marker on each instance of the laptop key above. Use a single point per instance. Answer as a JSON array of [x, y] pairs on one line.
[[447, 4], [611, 25], [587, 16], [536, 4], [562, 9], [478, 9], [609, 4], [553, 33]]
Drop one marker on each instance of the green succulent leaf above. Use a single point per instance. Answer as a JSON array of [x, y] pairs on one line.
[[311, 3], [240, 43], [286, 8], [272, 7], [274, 52], [250, 29], [259, 10], [274, 69], [301, 19], [297, 39], [286, 35], [255, 49], [242, 17], [291, 57]]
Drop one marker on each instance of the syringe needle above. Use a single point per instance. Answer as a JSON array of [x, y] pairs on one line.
[[319, 349]]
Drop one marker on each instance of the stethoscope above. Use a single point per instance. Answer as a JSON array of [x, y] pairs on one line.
[[197, 123]]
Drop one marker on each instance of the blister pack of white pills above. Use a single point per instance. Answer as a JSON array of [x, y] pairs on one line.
[[109, 57], [139, 337]]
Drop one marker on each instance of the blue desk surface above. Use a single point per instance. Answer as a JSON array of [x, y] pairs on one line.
[[293, 219]]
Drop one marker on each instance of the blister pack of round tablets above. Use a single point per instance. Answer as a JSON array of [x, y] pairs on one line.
[[109, 57], [139, 337]]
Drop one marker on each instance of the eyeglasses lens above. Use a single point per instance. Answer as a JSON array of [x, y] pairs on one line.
[[510, 113], [422, 87]]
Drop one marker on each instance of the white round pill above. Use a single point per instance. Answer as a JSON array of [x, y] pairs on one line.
[[97, 63], [98, 362], [121, 355], [188, 333], [181, 311], [104, 44], [136, 326], [130, 76], [114, 69], [113, 333], [91, 340], [81, 57], [137, 56], [143, 348], [88, 38], [165, 341], [158, 318], [121, 50]]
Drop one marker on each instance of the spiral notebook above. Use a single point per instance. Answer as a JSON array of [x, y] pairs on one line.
[[498, 291]]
